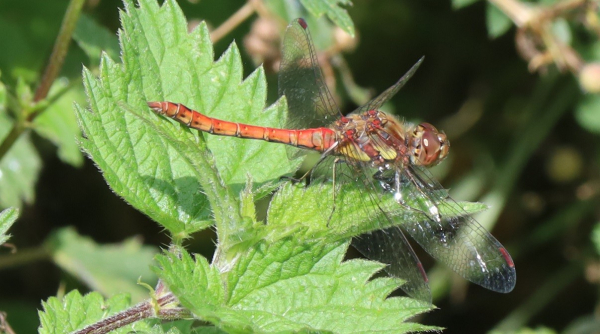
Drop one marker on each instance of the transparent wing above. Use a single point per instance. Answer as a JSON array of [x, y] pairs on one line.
[[358, 200], [452, 236], [301, 81], [389, 246], [377, 102]]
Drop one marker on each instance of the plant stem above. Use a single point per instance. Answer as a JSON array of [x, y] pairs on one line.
[[144, 310], [23, 257], [140, 311], [11, 138], [60, 49], [238, 17], [4, 326]]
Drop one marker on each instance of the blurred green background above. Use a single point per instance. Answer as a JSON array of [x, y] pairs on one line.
[[524, 143]]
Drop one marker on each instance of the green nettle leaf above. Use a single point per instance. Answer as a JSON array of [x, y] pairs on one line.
[[294, 209], [332, 9], [19, 169], [291, 286], [497, 22], [75, 311], [161, 168], [7, 218], [109, 269]]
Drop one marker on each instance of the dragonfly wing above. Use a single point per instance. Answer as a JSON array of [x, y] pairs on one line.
[[301, 81], [453, 236], [377, 102], [390, 247], [359, 200]]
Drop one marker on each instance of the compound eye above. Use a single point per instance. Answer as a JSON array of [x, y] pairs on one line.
[[430, 143]]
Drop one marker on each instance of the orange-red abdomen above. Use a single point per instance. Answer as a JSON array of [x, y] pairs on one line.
[[319, 139]]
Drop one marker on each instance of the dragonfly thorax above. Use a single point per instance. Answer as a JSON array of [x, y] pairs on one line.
[[381, 139]]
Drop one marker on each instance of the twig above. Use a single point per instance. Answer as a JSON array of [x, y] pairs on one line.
[[4, 326], [160, 308], [138, 312], [23, 257], [535, 39], [238, 17]]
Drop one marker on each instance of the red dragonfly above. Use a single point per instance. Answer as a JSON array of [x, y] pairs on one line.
[[386, 157]]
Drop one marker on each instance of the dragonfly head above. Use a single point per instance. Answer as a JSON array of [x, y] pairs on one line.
[[429, 146]]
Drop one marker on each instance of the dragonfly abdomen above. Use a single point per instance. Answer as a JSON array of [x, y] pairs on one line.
[[319, 139]]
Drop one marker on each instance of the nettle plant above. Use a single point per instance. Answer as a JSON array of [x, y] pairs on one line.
[[285, 274]]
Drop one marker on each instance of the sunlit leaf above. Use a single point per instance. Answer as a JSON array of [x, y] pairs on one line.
[[75, 311], [158, 166], [292, 286]]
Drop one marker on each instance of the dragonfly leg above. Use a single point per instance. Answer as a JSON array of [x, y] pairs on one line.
[[304, 178], [335, 162], [396, 183]]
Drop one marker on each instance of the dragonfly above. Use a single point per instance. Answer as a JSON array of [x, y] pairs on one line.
[[388, 159]]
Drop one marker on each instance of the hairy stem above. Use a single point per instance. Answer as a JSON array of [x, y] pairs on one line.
[[161, 308]]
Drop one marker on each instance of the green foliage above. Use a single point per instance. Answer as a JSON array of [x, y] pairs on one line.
[[332, 9], [286, 274], [7, 218], [75, 311], [95, 39], [58, 123], [497, 22], [108, 269], [19, 169], [355, 211], [156, 166], [291, 286]]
